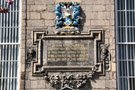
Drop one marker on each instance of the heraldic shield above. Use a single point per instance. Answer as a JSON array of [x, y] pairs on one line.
[[67, 18]]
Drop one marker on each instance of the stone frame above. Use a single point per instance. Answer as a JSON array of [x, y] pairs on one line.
[[38, 36]]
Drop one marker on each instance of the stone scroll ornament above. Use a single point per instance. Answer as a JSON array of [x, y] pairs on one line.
[[67, 18]]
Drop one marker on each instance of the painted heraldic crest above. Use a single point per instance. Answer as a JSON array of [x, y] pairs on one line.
[[67, 17]]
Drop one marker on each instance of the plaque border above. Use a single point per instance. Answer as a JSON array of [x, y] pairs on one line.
[[38, 36]]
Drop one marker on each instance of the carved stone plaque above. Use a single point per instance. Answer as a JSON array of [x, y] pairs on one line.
[[68, 52], [68, 61]]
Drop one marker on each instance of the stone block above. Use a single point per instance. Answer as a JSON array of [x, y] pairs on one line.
[[111, 84], [100, 22], [79, 1], [106, 2], [34, 15], [38, 84], [49, 22], [91, 15], [100, 15], [112, 15], [95, 8], [107, 15], [37, 8], [40, 2], [113, 66], [49, 1], [98, 84], [114, 76], [24, 8], [51, 8], [83, 7], [92, 2], [51, 30], [87, 23], [24, 15], [36, 23], [113, 56], [48, 15], [30, 1], [109, 7], [27, 84]]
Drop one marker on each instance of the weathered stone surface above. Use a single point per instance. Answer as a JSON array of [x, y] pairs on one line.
[[28, 84], [34, 15], [95, 8], [40, 2], [113, 66], [30, 1], [110, 84], [98, 84], [92, 2], [56, 1], [49, 22], [49, 1], [37, 8], [47, 15], [91, 15], [51, 8], [36, 23], [38, 84], [99, 22]]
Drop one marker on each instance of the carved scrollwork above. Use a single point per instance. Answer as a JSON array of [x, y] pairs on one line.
[[67, 80], [31, 54], [105, 55]]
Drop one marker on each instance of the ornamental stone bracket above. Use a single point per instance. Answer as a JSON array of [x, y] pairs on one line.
[[61, 59]]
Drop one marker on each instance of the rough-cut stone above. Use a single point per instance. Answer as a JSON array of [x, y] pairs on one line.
[[93, 2], [98, 84], [91, 15], [113, 66], [114, 76], [51, 8], [38, 84], [28, 84], [99, 22], [37, 8], [95, 8], [36, 23], [30, 1], [109, 7], [49, 22], [40, 2], [87, 23], [34, 15], [110, 84], [49, 1], [47, 15]]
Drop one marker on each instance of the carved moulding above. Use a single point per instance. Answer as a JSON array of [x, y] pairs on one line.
[[40, 67]]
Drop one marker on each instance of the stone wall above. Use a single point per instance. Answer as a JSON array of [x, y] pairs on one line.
[[96, 14]]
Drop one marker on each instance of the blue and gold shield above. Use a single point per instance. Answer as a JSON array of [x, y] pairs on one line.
[[68, 21]]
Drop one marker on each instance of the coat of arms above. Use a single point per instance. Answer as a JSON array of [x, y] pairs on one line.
[[67, 18]]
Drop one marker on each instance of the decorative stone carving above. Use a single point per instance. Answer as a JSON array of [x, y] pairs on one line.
[[105, 55], [67, 18], [47, 62], [41, 65], [67, 80], [31, 54]]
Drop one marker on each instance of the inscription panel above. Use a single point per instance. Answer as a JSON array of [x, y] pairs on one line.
[[69, 52]]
